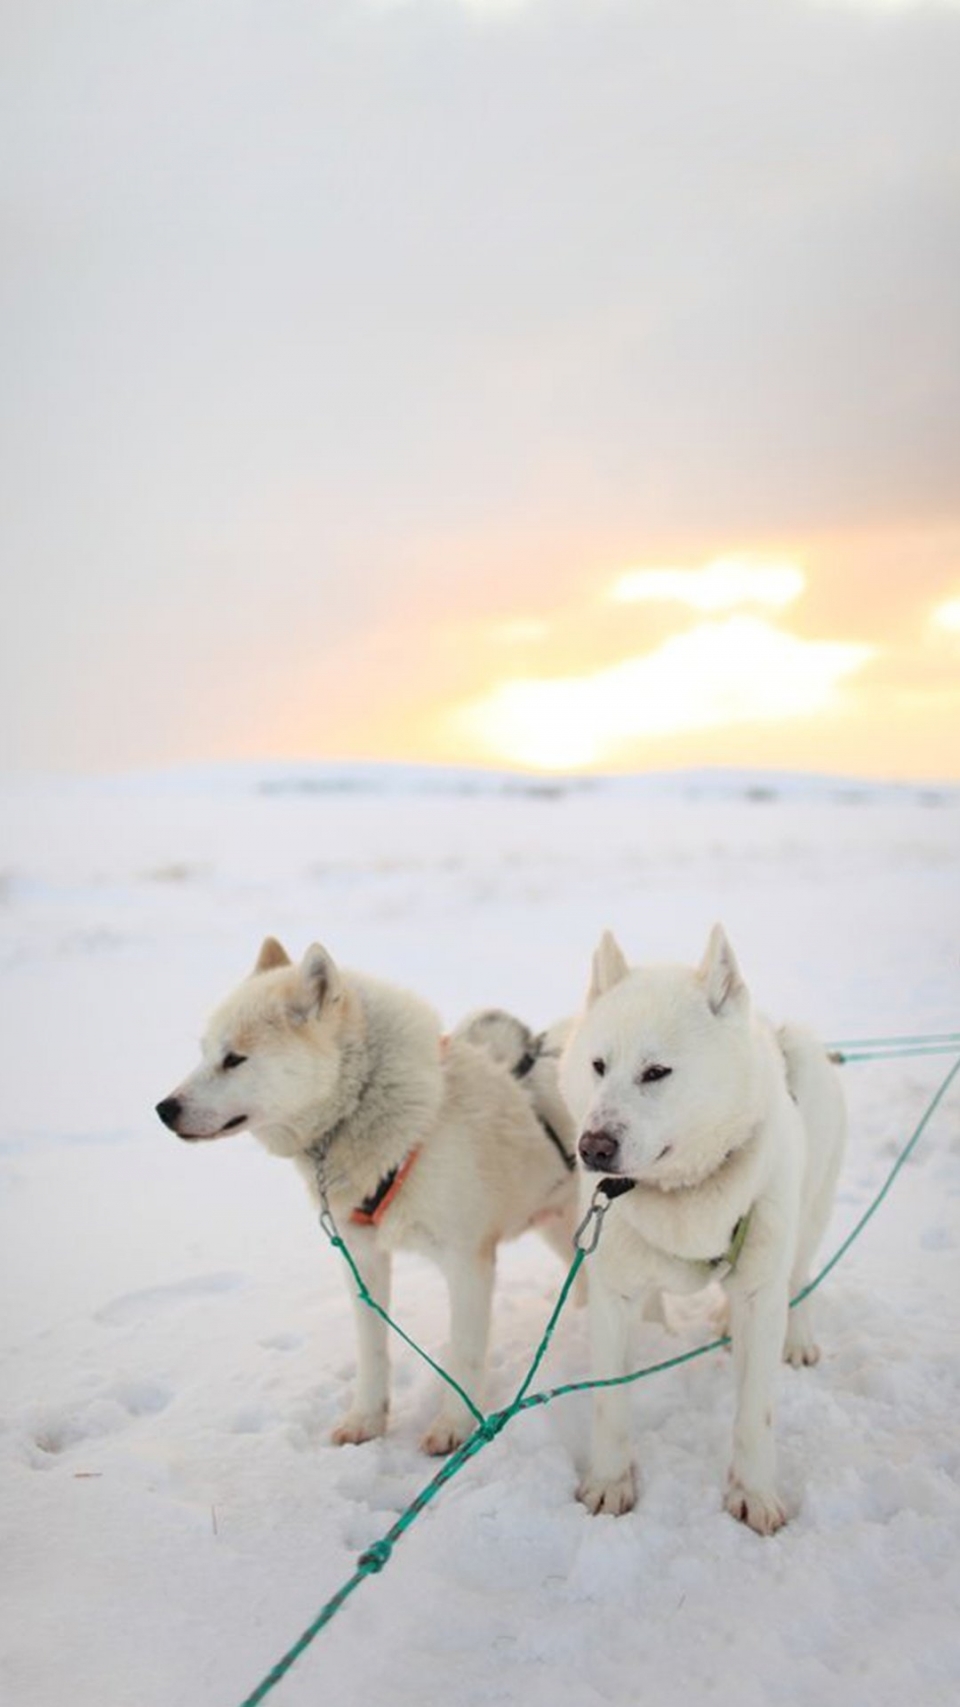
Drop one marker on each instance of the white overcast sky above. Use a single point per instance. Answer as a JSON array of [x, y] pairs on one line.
[[326, 321]]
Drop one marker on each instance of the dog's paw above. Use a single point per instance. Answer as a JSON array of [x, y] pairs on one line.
[[801, 1353], [762, 1513], [616, 1495], [358, 1426], [444, 1436]]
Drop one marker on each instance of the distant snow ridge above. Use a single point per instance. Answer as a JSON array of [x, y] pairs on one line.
[[344, 778]]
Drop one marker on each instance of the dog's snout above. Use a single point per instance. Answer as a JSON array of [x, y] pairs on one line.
[[599, 1150], [169, 1111]]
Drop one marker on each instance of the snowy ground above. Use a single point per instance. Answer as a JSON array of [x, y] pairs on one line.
[[177, 1339]]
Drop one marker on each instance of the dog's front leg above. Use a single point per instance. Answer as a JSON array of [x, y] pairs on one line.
[[610, 1483], [470, 1283], [367, 1416], [757, 1324]]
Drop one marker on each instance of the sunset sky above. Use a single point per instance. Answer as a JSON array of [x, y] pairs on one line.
[[567, 384]]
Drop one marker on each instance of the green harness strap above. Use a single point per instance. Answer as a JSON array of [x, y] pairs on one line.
[[719, 1267]]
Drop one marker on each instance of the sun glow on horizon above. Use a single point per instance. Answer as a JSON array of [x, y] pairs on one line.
[[947, 616], [727, 583], [736, 671]]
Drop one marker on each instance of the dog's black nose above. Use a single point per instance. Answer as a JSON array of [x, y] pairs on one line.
[[169, 1111], [599, 1150]]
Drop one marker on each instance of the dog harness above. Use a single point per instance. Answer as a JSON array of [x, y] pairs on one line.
[[712, 1268], [371, 1211], [525, 1065], [723, 1265]]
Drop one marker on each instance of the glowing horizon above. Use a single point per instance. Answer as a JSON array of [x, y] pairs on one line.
[[719, 674], [947, 616], [724, 584], [778, 668]]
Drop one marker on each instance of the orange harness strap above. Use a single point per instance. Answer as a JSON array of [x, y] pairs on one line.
[[373, 1208]]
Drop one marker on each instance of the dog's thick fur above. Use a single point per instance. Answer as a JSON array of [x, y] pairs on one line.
[[530, 1058], [346, 1076], [678, 1085]]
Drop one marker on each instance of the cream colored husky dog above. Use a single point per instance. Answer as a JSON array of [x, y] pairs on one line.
[[416, 1143], [718, 1142]]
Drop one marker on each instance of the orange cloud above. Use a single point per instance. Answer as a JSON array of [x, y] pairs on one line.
[[741, 670], [947, 616], [728, 583]]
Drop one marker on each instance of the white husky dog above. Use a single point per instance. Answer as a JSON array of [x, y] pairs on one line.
[[415, 1143], [720, 1141]]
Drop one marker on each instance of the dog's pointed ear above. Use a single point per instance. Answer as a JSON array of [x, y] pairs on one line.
[[272, 953], [608, 968], [320, 978], [719, 972]]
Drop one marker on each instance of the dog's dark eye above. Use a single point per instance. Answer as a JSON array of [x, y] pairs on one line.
[[231, 1060], [650, 1075], [599, 1066]]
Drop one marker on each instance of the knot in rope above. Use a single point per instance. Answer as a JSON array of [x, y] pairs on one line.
[[491, 1425], [375, 1557]]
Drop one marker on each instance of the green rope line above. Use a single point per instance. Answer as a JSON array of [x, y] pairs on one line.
[[903, 1157], [843, 1056], [373, 1560], [368, 1299], [951, 1037], [376, 1556]]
